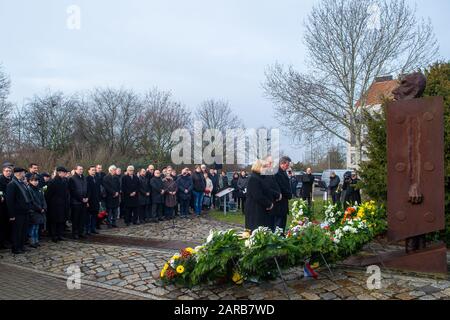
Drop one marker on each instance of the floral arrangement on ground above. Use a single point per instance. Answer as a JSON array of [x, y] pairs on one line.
[[232, 256]]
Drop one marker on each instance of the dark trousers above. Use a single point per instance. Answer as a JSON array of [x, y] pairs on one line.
[[157, 211], [143, 213], [184, 207], [5, 227], [131, 215], [241, 204], [56, 230], [168, 212], [78, 219], [19, 232], [308, 199], [335, 197], [91, 221]]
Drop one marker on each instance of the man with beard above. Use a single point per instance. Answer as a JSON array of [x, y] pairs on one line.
[[93, 188], [5, 233], [19, 202], [281, 208], [78, 202], [58, 204], [33, 169]]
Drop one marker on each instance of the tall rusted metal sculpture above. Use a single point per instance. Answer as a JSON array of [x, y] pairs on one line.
[[415, 148]]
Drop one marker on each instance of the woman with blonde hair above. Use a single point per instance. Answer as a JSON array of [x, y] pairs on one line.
[[258, 199]]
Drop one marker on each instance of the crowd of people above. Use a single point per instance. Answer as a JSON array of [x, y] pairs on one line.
[[34, 204]]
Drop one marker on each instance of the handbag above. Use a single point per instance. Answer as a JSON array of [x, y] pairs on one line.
[[206, 201]]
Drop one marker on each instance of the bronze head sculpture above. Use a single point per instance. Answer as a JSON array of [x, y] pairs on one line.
[[411, 86]]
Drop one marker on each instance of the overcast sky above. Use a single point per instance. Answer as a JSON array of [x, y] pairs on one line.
[[197, 49]]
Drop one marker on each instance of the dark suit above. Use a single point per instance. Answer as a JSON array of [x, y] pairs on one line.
[[78, 191], [5, 230], [19, 202], [93, 189], [157, 198], [130, 184], [281, 208], [58, 202]]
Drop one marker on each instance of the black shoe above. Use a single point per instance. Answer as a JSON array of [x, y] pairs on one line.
[[82, 236], [61, 239], [55, 240], [76, 237], [95, 232], [33, 246], [127, 224], [114, 226], [17, 252]]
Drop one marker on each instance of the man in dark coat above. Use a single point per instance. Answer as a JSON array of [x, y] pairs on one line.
[[19, 202], [294, 183], [307, 186], [144, 197], [58, 203], [242, 189], [5, 230], [78, 202], [185, 187], [281, 207], [258, 201], [111, 183], [333, 187], [199, 186], [93, 189], [215, 181], [130, 191], [157, 196]]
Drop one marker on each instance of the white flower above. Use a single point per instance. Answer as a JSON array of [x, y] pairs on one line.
[[210, 237]]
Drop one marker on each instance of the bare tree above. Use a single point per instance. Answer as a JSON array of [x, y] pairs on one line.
[[112, 118], [349, 43], [47, 121], [160, 117], [217, 115], [5, 109]]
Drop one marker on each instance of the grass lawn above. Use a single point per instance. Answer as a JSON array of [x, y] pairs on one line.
[[238, 217]]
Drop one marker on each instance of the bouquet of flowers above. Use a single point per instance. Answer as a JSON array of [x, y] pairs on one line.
[[178, 269], [263, 245], [217, 258], [300, 210]]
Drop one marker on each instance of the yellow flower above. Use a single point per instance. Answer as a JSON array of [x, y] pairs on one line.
[[166, 266], [176, 257], [180, 269], [237, 278], [162, 273], [190, 250]]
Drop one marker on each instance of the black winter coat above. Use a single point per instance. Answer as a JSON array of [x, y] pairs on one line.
[[307, 184], [111, 183], [184, 183], [199, 181], [4, 181], [281, 207], [157, 186], [58, 199], [144, 188], [78, 189], [130, 184], [259, 198], [39, 204], [93, 188], [18, 198]]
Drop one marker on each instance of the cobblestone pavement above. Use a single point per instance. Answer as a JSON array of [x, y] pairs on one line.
[[193, 229], [20, 284], [128, 270]]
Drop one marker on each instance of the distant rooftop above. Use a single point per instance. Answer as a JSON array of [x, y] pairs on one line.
[[381, 88]]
